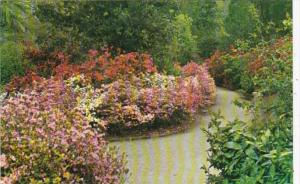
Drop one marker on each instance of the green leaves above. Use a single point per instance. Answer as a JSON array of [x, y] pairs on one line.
[[246, 155], [233, 145], [251, 153], [17, 19], [128, 25]]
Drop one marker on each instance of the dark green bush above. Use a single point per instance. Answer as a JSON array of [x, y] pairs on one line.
[[11, 61], [131, 26], [229, 69]]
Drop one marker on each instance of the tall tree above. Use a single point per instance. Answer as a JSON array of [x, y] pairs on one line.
[[205, 24], [131, 26], [242, 21]]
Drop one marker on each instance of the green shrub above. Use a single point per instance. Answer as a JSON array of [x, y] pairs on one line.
[[248, 68], [206, 25], [11, 61], [245, 156], [246, 83], [131, 26], [228, 68]]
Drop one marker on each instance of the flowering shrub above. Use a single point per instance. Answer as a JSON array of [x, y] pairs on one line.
[[52, 129], [202, 74], [23, 82], [46, 138], [146, 99], [98, 69], [106, 67]]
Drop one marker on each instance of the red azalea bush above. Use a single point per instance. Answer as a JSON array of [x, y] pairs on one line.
[[106, 67], [46, 138], [22, 82], [99, 68]]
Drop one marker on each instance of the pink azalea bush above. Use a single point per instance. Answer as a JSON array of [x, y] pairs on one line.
[[202, 74], [133, 101], [46, 138]]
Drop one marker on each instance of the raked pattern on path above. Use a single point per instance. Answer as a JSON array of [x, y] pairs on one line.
[[176, 159]]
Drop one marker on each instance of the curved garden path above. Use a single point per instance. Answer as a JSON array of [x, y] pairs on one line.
[[176, 159]]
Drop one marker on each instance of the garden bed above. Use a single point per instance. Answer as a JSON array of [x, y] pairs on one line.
[[150, 133], [114, 96]]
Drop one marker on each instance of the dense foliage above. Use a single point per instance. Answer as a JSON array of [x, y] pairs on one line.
[[206, 25], [75, 72], [146, 99], [171, 31], [259, 151], [183, 44], [54, 127], [17, 22], [131, 26], [46, 138], [247, 69], [168, 30]]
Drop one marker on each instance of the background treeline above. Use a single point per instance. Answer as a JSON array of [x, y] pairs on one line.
[[171, 31]]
